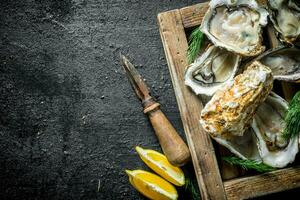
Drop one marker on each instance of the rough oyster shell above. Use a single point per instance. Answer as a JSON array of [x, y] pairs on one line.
[[231, 109], [283, 61], [235, 25], [285, 16], [214, 68], [263, 141]]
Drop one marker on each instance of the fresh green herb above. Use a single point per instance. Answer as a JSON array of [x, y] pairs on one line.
[[295, 100], [195, 42], [292, 118], [248, 164], [192, 189]]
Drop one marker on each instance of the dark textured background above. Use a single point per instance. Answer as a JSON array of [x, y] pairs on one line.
[[69, 118]]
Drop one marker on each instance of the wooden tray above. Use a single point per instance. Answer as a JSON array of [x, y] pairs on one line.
[[173, 25]]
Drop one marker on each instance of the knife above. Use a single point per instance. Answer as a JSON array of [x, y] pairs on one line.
[[172, 144]]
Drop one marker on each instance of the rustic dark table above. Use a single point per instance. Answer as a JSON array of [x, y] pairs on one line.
[[69, 118]]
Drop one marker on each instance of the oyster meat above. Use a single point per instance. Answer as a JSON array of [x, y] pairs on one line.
[[235, 25], [214, 68], [231, 109], [284, 62], [268, 125], [285, 16]]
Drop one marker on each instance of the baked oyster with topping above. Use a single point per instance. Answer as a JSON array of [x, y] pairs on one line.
[[214, 68], [285, 16], [235, 25]]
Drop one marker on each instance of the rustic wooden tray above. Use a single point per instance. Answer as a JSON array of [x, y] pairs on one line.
[[173, 26]]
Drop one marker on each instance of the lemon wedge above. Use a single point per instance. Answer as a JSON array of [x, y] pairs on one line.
[[160, 164], [151, 185]]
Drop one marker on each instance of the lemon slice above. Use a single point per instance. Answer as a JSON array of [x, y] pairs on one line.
[[151, 185], [160, 164]]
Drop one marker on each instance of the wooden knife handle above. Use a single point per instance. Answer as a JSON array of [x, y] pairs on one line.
[[172, 144]]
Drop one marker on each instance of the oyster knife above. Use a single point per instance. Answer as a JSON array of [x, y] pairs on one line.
[[172, 144]]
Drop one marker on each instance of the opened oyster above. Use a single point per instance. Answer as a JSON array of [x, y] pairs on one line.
[[285, 16], [284, 63], [235, 25], [230, 111], [211, 70], [244, 147], [263, 141], [268, 125], [248, 101]]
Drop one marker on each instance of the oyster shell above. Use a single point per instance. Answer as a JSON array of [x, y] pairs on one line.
[[235, 25], [244, 147], [285, 16], [283, 61], [268, 125], [214, 68], [231, 109], [263, 141]]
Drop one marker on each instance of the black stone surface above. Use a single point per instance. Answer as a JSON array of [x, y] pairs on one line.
[[69, 118]]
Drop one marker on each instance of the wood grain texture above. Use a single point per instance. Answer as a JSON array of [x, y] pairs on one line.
[[172, 25], [171, 143], [202, 151], [193, 15], [254, 186]]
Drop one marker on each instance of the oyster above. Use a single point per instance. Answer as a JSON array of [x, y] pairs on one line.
[[285, 16], [244, 147], [283, 61], [248, 119], [263, 141], [231, 109], [235, 25], [268, 125], [211, 70]]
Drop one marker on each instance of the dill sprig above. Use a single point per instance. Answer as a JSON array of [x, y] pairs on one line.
[[248, 164], [292, 118], [295, 100], [195, 43], [192, 189]]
